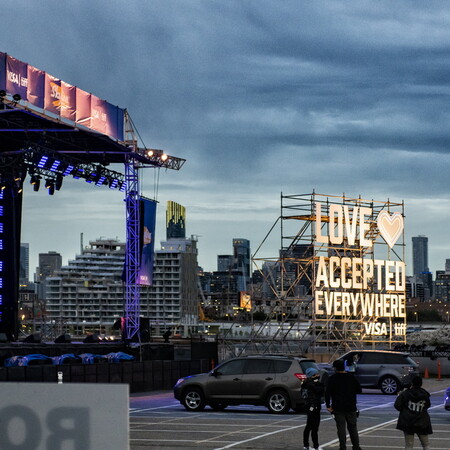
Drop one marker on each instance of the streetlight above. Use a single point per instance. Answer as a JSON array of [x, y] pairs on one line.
[[417, 318]]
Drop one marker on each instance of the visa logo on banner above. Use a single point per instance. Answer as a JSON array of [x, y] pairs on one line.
[[15, 78], [53, 95]]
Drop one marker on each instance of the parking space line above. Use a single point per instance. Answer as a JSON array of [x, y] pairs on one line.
[[374, 427], [135, 410], [267, 434]]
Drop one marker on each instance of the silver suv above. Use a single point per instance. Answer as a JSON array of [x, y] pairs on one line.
[[270, 380], [386, 370]]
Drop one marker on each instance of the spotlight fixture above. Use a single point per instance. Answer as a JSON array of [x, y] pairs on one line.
[[19, 185], [36, 182], [50, 186], [164, 157], [17, 97], [150, 153], [58, 182], [2, 93]]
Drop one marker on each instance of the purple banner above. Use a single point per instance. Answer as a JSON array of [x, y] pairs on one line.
[[148, 221], [47, 92], [98, 114], [114, 120], [3, 71], [16, 77], [36, 79]]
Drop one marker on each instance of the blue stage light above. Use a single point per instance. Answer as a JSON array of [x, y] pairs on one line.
[[78, 173], [68, 170], [55, 165], [114, 183], [42, 161], [123, 187], [101, 181]]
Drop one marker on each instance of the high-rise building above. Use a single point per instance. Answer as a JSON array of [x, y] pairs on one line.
[[49, 263], [442, 285], [420, 254], [224, 263], [24, 268], [420, 264], [173, 298], [447, 266], [88, 294], [241, 261], [175, 221]]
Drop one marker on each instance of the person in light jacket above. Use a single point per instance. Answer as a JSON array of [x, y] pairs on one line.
[[413, 404]]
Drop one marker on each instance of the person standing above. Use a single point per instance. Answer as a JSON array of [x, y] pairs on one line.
[[341, 398], [314, 390], [413, 404]]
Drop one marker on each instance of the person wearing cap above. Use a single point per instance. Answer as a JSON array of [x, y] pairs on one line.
[[340, 398], [313, 390]]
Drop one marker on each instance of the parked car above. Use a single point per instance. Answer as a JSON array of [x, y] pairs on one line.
[[447, 399], [383, 369], [270, 380]]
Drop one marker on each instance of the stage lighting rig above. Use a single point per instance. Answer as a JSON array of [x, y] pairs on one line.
[[158, 158], [41, 162], [55, 166]]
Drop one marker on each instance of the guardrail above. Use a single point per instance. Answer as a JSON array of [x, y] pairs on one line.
[[427, 351]]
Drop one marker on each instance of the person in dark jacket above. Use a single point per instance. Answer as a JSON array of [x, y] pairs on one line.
[[413, 404], [340, 398], [313, 390]]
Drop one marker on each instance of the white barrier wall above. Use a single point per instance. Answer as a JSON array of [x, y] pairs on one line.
[[47, 416]]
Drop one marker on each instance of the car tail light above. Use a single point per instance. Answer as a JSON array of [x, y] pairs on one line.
[[301, 376]]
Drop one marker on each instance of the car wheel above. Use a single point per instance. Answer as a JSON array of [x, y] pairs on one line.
[[193, 399], [389, 385], [278, 402], [218, 406]]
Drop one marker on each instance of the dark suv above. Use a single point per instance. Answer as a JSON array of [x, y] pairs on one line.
[[386, 370], [274, 381]]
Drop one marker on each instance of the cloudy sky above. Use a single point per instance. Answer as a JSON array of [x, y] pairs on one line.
[[261, 98]]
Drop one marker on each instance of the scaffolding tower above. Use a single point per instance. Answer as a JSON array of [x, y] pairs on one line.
[[293, 325]]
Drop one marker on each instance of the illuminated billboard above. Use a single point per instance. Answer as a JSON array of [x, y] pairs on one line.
[[359, 269]]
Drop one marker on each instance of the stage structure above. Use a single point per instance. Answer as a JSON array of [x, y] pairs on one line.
[[50, 130], [339, 279]]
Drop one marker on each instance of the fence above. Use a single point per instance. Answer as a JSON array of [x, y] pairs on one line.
[[141, 376]]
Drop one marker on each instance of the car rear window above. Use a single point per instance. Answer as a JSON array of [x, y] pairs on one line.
[[383, 358], [281, 366], [307, 364], [258, 366], [396, 359]]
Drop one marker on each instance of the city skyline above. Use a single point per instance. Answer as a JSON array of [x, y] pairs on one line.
[[260, 98]]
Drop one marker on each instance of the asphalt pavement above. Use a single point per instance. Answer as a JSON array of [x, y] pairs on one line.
[[157, 420]]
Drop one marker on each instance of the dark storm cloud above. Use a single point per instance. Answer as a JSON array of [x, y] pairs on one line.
[[262, 97]]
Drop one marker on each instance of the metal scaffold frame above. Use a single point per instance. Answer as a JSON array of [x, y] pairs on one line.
[[139, 158], [291, 278]]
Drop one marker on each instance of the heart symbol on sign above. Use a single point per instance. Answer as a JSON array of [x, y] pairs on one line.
[[390, 226]]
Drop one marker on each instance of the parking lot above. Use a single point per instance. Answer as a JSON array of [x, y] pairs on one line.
[[158, 420]]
